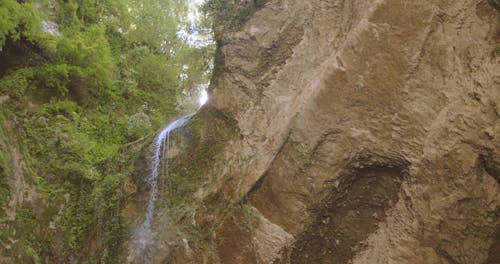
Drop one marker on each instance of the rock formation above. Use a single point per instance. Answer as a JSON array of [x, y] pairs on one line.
[[361, 132]]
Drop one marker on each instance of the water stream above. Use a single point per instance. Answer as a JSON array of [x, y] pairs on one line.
[[194, 36], [159, 164]]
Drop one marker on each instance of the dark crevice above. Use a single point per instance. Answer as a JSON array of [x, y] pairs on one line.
[[494, 251], [490, 166], [351, 212], [20, 53], [495, 4], [444, 254]]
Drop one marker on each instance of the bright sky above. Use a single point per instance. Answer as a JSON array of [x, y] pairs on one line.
[[191, 34], [196, 38]]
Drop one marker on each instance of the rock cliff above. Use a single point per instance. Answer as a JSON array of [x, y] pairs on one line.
[[353, 132]]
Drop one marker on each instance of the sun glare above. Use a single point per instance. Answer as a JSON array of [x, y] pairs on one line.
[[203, 97]]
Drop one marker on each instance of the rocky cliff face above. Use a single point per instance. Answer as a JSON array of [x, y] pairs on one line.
[[363, 132]]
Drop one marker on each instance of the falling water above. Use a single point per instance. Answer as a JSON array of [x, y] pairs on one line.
[[159, 162]]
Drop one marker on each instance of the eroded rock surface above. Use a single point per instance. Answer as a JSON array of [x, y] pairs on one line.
[[367, 132]]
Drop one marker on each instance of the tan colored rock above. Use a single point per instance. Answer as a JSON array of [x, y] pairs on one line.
[[368, 132]]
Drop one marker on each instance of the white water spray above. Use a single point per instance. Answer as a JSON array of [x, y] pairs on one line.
[[159, 162]]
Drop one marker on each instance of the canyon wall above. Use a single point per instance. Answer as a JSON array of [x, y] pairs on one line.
[[357, 132]]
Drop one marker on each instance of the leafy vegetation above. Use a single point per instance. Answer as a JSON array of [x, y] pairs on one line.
[[19, 20], [84, 79], [229, 15], [5, 171]]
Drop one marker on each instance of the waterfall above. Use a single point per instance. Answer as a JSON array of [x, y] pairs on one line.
[[159, 161]]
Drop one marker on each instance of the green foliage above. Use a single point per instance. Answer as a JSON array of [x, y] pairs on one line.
[[231, 14], [5, 170], [18, 20], [89, 56], [17, 83], [55, 78], [31, 255], [111, 76], [154, 24], [153, 74]]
